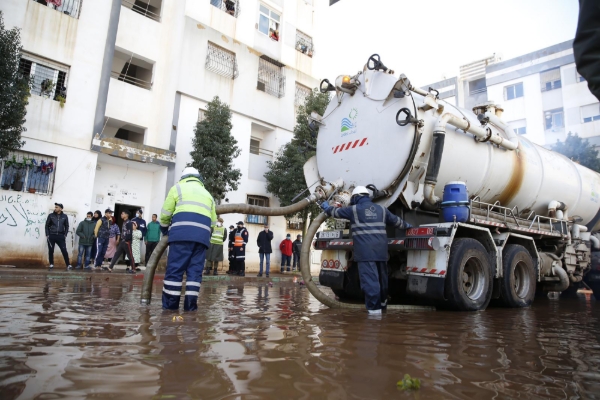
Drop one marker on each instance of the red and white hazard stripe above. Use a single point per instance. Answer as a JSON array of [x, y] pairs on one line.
[[349, 145], [426, 271]]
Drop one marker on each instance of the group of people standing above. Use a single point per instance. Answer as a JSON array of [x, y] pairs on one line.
[[100, 239]]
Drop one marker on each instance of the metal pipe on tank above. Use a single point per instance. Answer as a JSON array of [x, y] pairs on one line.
[[556, 208], [595, 242], [510, 134], [478, 132]]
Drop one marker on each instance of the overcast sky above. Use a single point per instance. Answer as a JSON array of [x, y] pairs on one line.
[[430, 39]]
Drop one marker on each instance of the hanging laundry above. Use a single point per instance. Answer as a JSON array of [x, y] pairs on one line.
[[56, 3]]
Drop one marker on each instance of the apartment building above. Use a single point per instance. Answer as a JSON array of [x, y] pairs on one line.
[[542, 94], [119, 86]]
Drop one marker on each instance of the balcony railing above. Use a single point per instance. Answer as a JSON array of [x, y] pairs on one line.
[[231, 7], [68, 7], [131, 80], [141, 10], [260, 151]]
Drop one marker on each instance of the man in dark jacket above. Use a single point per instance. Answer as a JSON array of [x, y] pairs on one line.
[[263, 241], [102, 233], [296, 249], [586, 46], [367, 225], [57, 228], [152, 236], [124, 246], [240, 240], [85, 231], [230, 257]]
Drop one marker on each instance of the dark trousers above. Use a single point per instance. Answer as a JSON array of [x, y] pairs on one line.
[[374, 283], [285, 260], [101, 247], [188, 258], [94, 250], [239, 254], [60, 240], [123, 248], [150, 246], [296, 263]]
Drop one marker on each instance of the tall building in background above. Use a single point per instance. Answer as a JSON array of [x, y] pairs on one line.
[[541, 93], [119, 86]]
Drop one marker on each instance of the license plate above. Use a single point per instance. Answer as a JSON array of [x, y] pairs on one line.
[[330, 235]]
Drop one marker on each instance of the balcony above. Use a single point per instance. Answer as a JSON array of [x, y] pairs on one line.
[[149, 9], [304, 43], [67, 7], [231, 7], [132, 69]]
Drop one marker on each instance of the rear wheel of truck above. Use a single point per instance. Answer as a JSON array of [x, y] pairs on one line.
[[468, 285], [517, 285]]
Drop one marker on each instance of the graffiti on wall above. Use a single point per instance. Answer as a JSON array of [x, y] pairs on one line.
[[21, 217]]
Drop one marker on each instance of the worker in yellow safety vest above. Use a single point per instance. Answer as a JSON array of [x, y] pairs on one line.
[[187, 217], [215, 251]]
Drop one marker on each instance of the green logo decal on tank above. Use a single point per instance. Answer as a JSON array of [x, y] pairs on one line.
[[349, 124]]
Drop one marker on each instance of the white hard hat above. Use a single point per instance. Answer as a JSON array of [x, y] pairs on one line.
[[189, 172], [360, 190]]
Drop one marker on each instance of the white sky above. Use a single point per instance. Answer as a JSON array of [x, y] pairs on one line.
[[430, 39]]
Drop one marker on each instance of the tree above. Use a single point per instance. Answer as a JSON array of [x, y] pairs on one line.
[[579, 150], [285, 177], [214, 149], [14, 91]]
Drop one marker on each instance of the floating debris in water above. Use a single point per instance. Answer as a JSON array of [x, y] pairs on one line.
[[177, 318], [409, 383]]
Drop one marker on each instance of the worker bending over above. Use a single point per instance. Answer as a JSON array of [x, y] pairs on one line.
[[367, 226], [187, 216]]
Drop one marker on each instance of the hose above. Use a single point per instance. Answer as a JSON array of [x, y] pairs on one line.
[[560, 286], [146, 295]]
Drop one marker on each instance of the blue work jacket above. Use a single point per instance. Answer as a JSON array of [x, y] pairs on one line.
[[367, 225]]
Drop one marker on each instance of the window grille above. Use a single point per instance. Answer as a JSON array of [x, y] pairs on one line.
[[231, 7], [28, 172], [221, 61], [550, 79], [304, 43], [590, 113], [268, 22], [261, 202], [143, 7], [68, 7], [271, 77], [48, 78], [302, 92]]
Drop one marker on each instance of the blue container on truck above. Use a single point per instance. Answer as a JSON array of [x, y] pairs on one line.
[[455, 202]]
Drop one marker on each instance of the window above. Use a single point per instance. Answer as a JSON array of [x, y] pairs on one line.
[[579, 78], [295, 223], [477, 86], [67, 7], [28, 172], [550, 79], [513, 91], [271, 77], [304, 43], [221, 61], [147, 8], [268, 22], [261, 202], [48, 78], [554, 119], [256, 149], [302, 92], [519, 126], [201, 115], [590, 113], [231, 7]]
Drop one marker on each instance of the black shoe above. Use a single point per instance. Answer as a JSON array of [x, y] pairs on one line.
[[215, 273], [207, 271], [241, 273], [259, 276], [129, 271], [267, 275], [287, 270], [138, 269]]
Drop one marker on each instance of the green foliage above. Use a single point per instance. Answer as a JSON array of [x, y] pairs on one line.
[[409, 383], [14, 91], [214, 149], [285, 178], [579, 150]]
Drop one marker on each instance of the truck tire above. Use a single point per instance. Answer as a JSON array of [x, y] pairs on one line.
[[468, 285], [518, 283]]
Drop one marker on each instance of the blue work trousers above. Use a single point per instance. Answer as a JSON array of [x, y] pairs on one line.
[[101, 247], [262, 256], [374, 283], [285, 260], [84, 249], [184, 257]]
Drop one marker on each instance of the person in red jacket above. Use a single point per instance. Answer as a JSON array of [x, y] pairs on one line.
[[286, 252]]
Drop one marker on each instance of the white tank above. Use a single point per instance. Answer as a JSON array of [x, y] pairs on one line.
[[361, 143]]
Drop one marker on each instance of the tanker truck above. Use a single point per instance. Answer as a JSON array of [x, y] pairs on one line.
[[495, 217]]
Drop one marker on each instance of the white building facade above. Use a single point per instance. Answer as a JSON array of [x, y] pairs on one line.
[[542, 94], [119, 86]]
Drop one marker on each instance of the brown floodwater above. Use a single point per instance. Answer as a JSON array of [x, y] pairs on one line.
[[89, 338]]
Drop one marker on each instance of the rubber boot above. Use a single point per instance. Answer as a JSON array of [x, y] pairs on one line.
[[215, 272]]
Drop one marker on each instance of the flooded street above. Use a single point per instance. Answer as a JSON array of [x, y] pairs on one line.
[[87, 336]]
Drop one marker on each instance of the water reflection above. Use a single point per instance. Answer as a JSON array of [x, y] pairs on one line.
[[89, 337]]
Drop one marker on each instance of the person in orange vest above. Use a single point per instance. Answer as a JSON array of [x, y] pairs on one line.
[[286, 252], [239, 248]]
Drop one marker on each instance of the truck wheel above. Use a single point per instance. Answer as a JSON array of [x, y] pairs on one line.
[[517, 285], [468, 285]]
